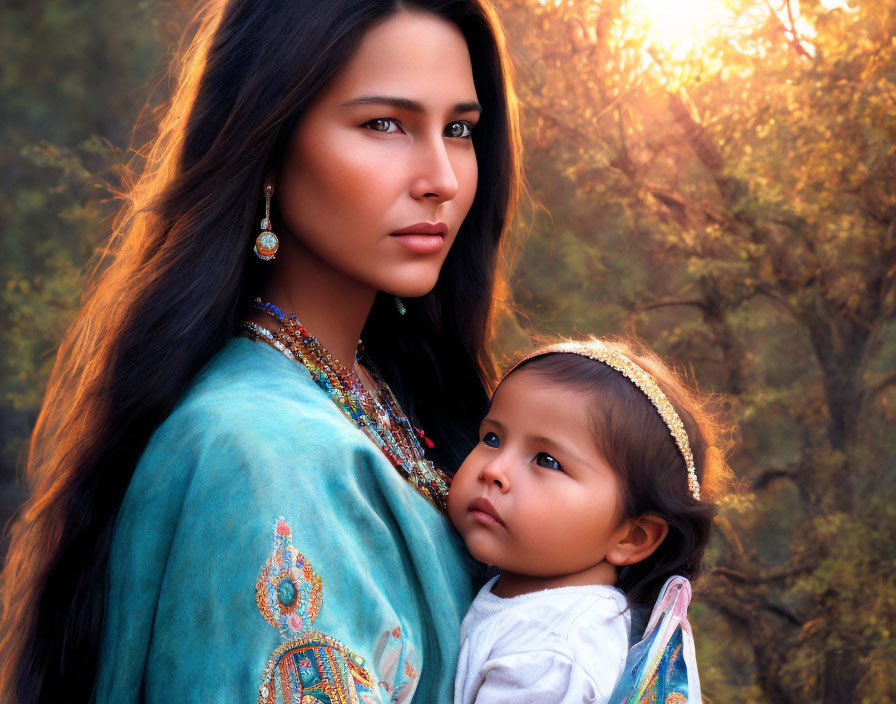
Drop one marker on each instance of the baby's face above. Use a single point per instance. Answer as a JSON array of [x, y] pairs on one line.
[[535, 497]]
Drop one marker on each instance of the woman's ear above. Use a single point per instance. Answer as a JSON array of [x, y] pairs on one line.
[[643, 536]]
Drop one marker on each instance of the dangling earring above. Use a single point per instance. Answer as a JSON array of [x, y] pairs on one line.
[[266, 243], [400, 305]]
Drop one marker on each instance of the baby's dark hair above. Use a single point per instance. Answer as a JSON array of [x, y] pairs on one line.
[[637, 444]]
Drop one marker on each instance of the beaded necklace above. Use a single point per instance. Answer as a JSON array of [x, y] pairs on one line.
[[378, 414]]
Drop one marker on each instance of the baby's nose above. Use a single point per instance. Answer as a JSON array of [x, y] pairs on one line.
[[495, 473]]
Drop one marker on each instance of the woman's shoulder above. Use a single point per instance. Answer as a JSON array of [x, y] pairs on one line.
[[251, 391], [247, 376], [255, 446], [251, 439], [249, 411]]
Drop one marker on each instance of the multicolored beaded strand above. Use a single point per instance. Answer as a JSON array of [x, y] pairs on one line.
[[378, 414]]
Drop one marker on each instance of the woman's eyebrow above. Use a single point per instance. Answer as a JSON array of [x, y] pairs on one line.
[[406, 103]]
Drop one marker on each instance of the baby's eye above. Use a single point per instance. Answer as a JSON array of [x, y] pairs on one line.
[[491, 439], [459, 129], [543, 459], [384, 125]]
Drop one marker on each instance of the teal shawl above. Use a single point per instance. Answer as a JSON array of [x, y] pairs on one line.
[[266, 548]]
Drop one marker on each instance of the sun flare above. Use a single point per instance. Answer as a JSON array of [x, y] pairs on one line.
[[679, 26]]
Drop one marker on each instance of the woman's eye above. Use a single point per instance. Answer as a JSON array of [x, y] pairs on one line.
[[383, 125], [461, 130], [491, 440], [543, 459]]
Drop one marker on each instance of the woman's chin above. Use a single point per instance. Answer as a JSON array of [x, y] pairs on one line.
[[412, 287]]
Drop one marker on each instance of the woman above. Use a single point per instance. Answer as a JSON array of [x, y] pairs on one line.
[[224, 519]]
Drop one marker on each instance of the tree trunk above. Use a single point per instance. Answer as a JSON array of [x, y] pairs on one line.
[[842, 673], [841, 347]]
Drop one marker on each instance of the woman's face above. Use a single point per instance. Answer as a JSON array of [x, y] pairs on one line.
[[381, 172]]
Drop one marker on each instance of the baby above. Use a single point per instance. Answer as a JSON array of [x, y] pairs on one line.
[[585, 491]]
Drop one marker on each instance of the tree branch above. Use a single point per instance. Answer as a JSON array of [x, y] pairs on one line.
[[882, 385], [666, 304], [794, 35], [736, 575], [777, 298], [766, 477], [732, 539]]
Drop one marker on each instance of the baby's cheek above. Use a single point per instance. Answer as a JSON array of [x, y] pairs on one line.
[[455, 500], [539, 534]]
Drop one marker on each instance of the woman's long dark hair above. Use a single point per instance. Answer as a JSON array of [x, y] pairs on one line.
[[176, 288]]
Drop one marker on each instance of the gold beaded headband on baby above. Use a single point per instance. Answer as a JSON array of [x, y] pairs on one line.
[[597, 350]]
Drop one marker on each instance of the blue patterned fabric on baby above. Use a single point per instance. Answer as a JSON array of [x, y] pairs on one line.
[[662, 667]]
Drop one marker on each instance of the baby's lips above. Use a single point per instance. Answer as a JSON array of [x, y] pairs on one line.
[[483, 505]]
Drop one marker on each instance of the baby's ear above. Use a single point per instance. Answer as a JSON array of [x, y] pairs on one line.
[[643, 536]]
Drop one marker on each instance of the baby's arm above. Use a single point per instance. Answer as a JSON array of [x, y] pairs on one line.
[[540, 677]]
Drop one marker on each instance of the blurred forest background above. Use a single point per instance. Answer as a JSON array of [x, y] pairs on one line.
[[717, 177]]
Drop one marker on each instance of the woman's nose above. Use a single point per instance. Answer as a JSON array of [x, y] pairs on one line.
[[496, 473], [436, 179]]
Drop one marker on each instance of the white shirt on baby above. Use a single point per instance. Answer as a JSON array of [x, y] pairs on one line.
[[555, 646]]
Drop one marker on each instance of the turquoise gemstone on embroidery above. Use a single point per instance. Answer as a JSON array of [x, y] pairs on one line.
[[286, 592]]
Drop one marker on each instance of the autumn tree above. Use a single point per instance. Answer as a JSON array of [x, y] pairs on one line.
[[733, 201]]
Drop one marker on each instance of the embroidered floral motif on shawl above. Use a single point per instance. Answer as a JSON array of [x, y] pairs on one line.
[[312, 667]]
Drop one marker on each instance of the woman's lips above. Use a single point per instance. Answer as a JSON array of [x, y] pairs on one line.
[[482, 510], [424, 228], [423, 237]]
